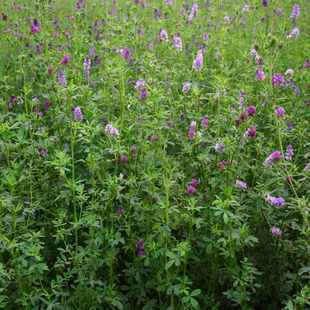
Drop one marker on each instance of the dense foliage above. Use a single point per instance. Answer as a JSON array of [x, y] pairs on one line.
[[154, 154]]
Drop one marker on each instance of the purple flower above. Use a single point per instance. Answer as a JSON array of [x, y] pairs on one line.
[[289, 152], [163, 35], [65, 60], [241, 185], [191, 190], [194, 182], [143, 94], [86, 67], [61, 77], [295, 11], [193, 13], [126, 54], [276, 231], [80, 4], [77, 113], [140, 84], [186, 87], [43, 152], [307, 167], [219, 147], [205, 37], [123, 159], [205, 122], [241, 99], [251, 110], [280, 112], [169, 2], [253, 53], [272, 158], [198, 61], [35, 26], [260, 75], [140, 248], [192, 130], [295, 32], [111, 131], [177, 42], [242, 117], [278, 80], [275, 201], [307, 63], [250, 132], [265, 2]]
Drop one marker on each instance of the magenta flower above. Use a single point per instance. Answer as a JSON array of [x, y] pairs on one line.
[[205, 122], [272, 158], [65, 60], [194, 182], [35, 26], [250, 132], [123, 159], [251, 110], [191, 190], [265, 2], [241, 185], [192, 130], [275, 201], [111, 131], [177, 42], [278, 80], [163, 35], [260, 75], [276, 231], [198, 61], [186, 87], [77, 114], [280, 112]]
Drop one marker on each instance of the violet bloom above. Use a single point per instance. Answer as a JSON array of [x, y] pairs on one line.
[[65, 60], [307, 64], [272, 158], [276, 231], [77, 114], [143, 94], [177, 42], [289, 152], [194, 182], [251, 110], [111, 131], [80, 4], [86, 67], [241, 185], [280, 112], [295, 32], [198, 61], [140, 248], [307, 167], [61, 77], [193, 13], [205, 37], [278, 80], [205, 122], [253, 53], [250, 132], [275, 201], [123, 159], [126, 54], [35, 26], [260, 75], [241, 99], [295, 11], [163, 35], [169, 2], [242, 118], [191, 190], [192, 130], [140, 84], [265, 3], [186, 87], [219, 147]]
